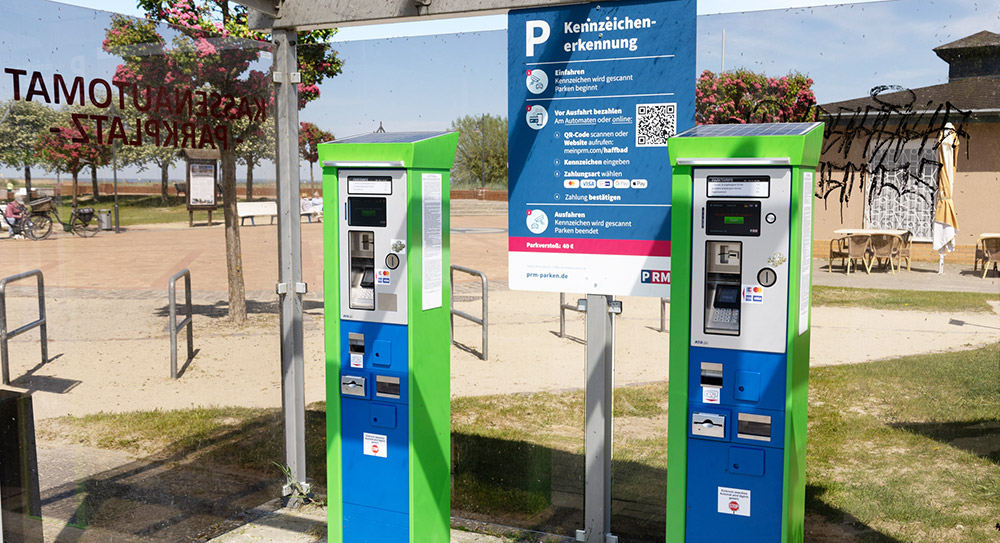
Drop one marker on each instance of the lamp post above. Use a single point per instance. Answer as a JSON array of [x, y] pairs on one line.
[[114, 174], [114, 168]]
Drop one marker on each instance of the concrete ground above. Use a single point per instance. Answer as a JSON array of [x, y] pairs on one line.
[[107, 309]]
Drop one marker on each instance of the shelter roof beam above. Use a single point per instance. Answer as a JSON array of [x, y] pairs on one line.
[[313, 14]]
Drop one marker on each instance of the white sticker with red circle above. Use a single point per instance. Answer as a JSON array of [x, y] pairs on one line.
[[376, 445], [734, 501]]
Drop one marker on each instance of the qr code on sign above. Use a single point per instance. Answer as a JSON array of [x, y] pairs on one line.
[[654, 123]]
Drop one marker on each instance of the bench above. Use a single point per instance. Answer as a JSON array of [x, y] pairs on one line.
[[250, 210]]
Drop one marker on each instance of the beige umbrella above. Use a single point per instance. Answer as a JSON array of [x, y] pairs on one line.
[[945, 219]]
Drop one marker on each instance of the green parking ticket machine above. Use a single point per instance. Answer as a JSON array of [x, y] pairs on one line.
[[387, 298], [739, 322]]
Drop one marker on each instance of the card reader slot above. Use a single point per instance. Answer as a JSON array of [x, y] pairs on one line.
[[711, 374], [755, 427]]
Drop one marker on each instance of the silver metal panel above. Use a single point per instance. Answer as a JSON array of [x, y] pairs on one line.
[[352, 385], [290, 257], [385, 238], [708, 425], [600, 385], [763, 421], [763, 325], [349, 164], [735, 161], [754, 129], [389, 137], [309, 14]]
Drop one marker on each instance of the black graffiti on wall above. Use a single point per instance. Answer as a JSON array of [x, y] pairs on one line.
[[896, 138]]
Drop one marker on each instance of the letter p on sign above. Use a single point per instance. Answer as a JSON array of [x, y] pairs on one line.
[[536, 33]]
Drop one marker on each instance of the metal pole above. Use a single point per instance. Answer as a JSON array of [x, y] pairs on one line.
[[486, 318], [5, 371], [482, 167], [114, 169], [190, 315], [172, 294], [562, 314], [43, 328], [600, 385], [290, 286], [723, 50], [6, 335]]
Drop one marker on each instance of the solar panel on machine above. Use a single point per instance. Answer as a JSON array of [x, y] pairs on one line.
[[390, 137], [739, 130]]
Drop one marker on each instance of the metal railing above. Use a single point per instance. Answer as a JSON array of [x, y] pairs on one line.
[[484, 321], [663, 313], [174, 325], [563, 306], [40, 323]]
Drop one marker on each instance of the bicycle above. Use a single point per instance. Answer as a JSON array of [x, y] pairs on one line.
[[81, 220], [28, 228]]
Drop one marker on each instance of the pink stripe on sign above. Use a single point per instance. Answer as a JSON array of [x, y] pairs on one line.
[[629, 247]]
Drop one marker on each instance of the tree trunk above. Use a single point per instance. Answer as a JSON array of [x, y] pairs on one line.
[[164, 181], [93, 181], [234, 255], [27, 182], [249, 180], [76, 183], [311, 177]]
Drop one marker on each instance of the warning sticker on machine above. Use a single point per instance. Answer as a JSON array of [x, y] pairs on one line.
[[378, 445], [734, 501], [357, 360]]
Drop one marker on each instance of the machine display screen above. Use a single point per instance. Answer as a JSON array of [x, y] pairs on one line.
[[369, 184], [727, 296], [739, 186], [733, 218], [366, 211]]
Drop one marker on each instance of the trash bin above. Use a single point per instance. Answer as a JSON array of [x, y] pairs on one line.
[[104, 219]]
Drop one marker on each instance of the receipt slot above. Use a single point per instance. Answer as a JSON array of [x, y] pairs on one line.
[[739, 343], [386, 298]]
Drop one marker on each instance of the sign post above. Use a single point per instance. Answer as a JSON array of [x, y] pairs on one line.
[[594, 92]]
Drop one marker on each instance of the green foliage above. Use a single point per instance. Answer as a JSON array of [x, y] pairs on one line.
[[23, 123], [481, 159], [743, 96]]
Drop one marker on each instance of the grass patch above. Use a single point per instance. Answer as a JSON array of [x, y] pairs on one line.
[[915, 300], [904, 450], [132, 209], [244, 438], [910, 447]]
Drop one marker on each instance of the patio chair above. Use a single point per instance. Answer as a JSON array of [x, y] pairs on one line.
[[885, 250], [849, 249], [987, 252], [904, 250]]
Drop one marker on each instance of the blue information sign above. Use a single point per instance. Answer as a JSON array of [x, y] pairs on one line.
[[594, 91]]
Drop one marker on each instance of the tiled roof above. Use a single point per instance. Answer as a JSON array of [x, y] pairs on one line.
[[979, 39], [974, 93]]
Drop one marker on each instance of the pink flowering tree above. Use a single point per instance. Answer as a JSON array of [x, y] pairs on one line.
[[310, 136], [63, 149], [742, 96], [212, 52]]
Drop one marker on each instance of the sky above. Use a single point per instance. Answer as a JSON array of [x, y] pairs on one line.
[[434, 72]]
